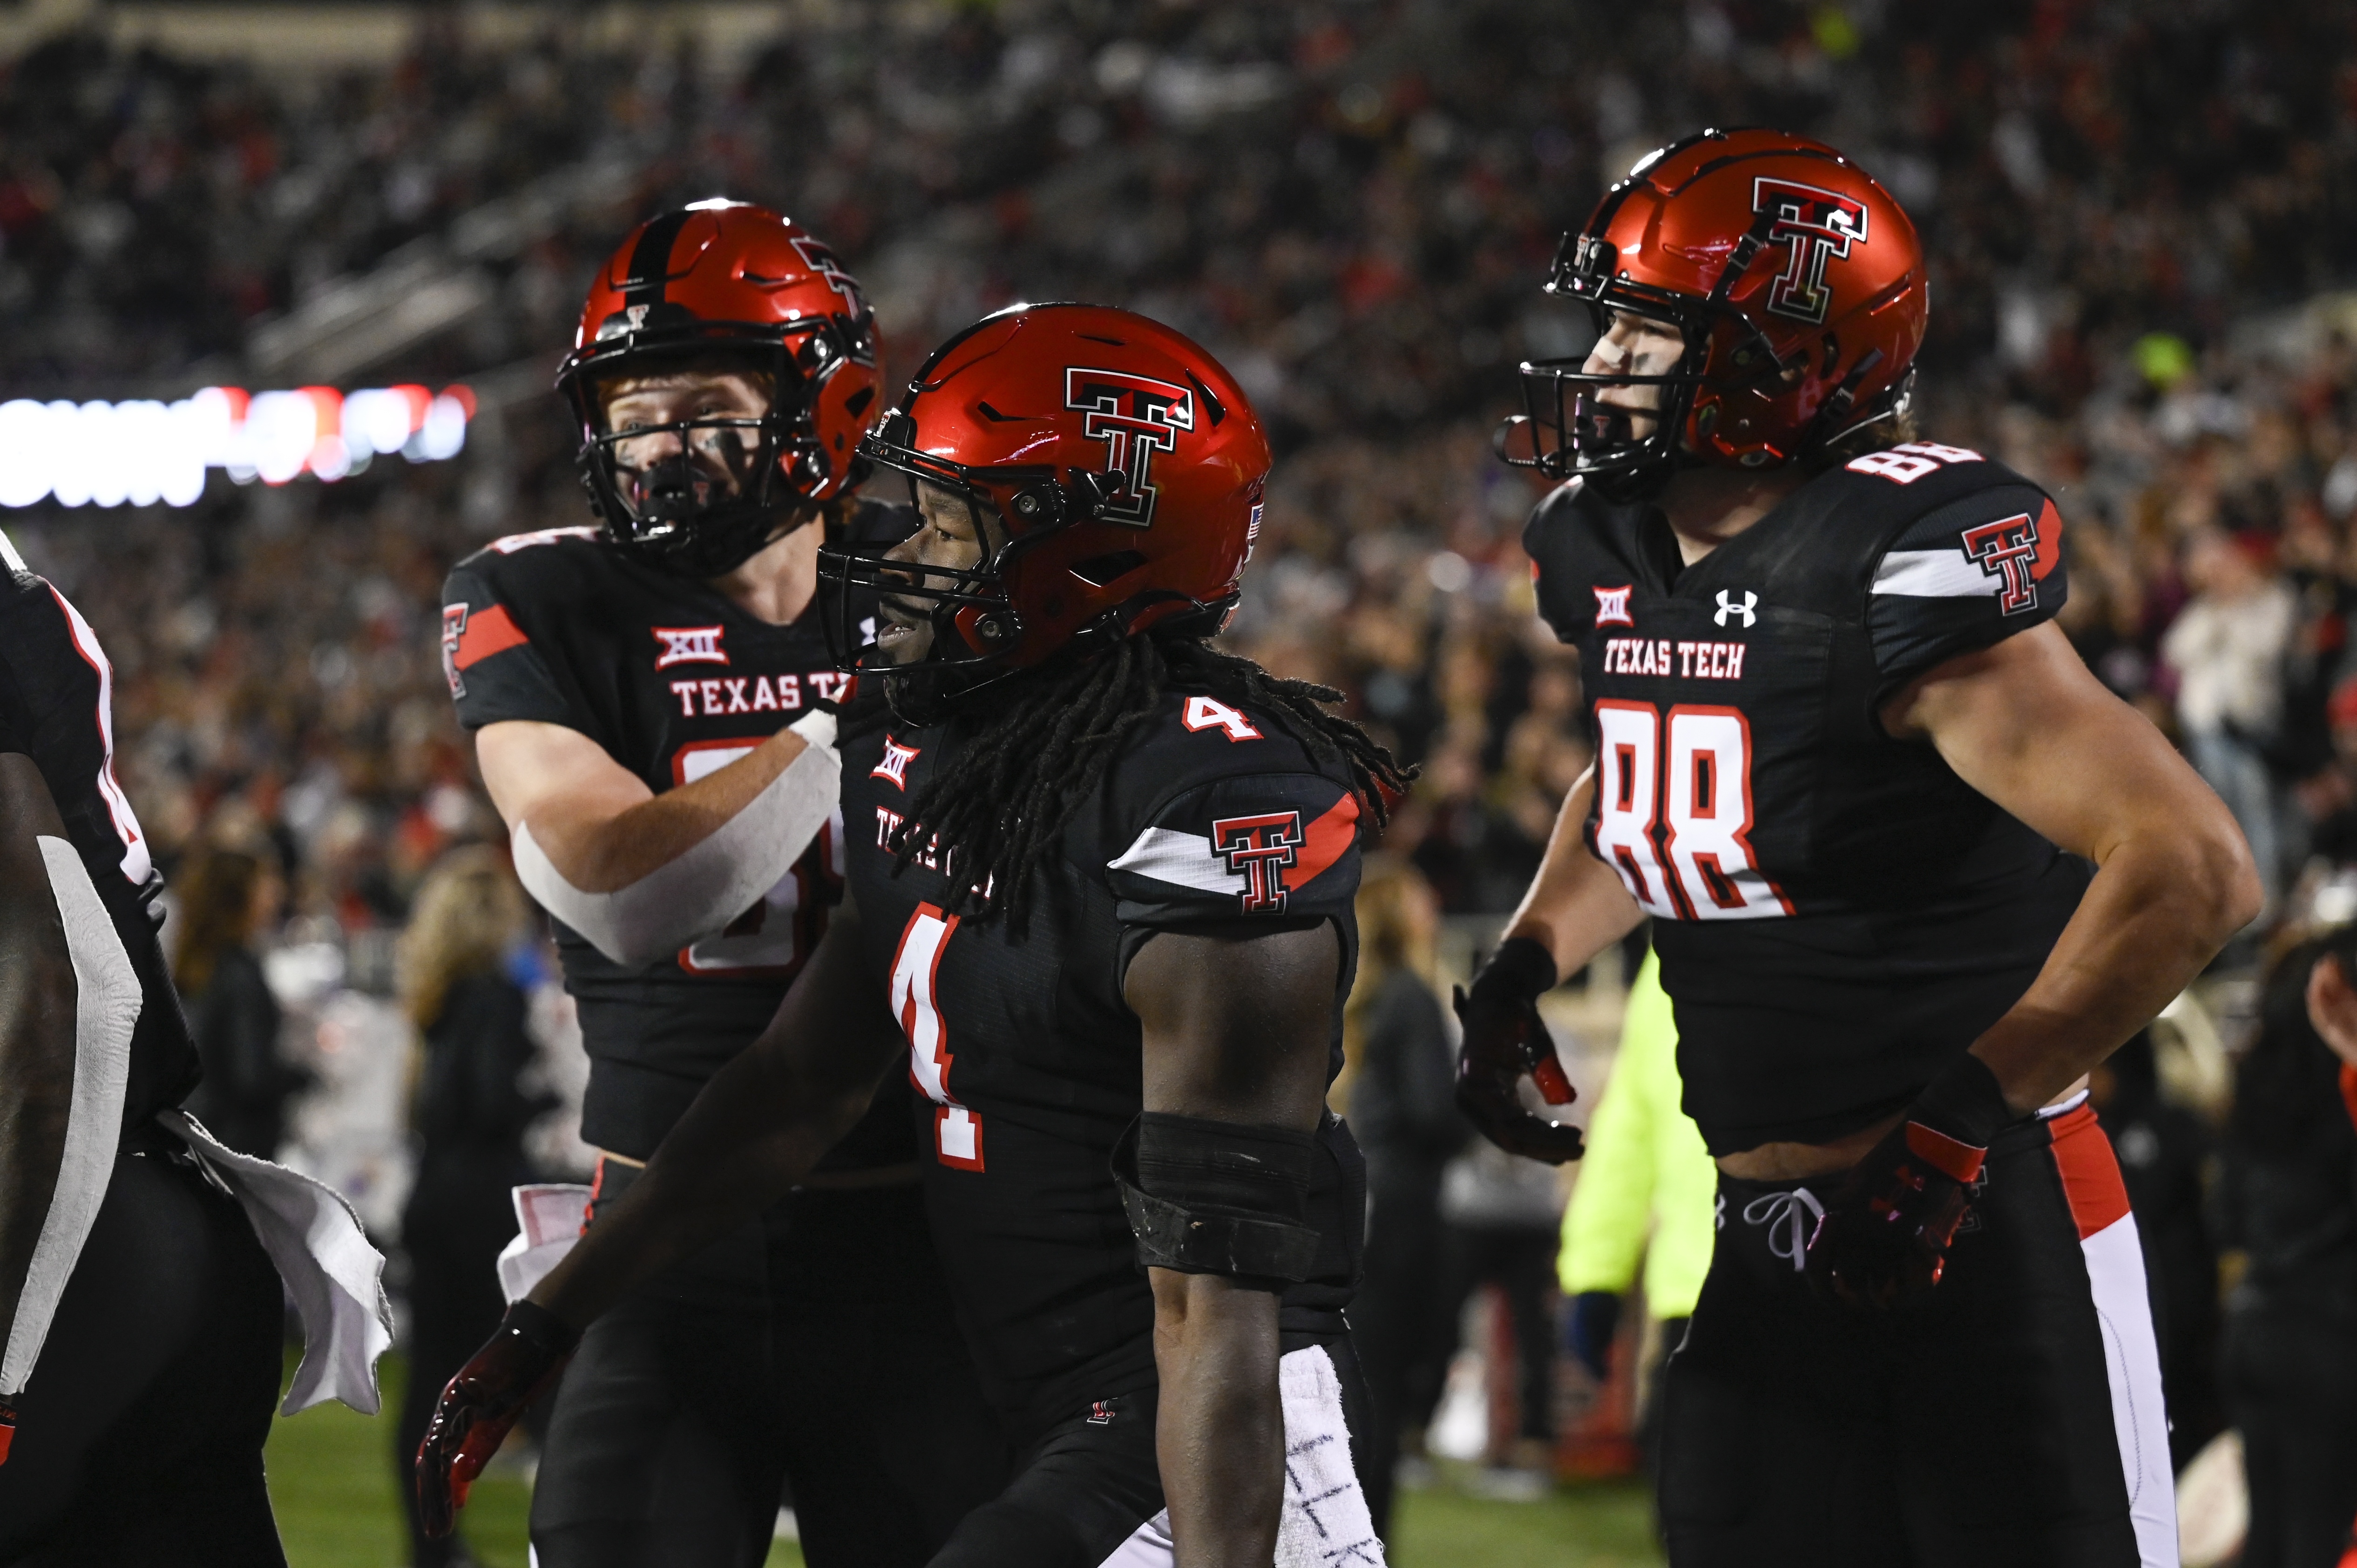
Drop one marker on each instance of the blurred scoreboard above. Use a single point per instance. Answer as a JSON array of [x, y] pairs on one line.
[[143, 452]]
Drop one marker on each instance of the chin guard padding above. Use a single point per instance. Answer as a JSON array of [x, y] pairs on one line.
[[1216, 1197]]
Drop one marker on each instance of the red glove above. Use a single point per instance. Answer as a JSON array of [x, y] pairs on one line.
[[7, 1428], [1886, 1231], [475, 1412], [1504, 1039]]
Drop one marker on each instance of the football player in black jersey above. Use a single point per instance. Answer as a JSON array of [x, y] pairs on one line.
[[651, 701], [1099, 911], [1912, 871], [139, 1316]]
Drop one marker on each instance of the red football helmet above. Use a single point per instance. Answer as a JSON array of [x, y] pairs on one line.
[[730, 277], [1114, 470], [1794, 280]]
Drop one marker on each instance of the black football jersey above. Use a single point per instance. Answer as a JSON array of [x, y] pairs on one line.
[[675, 681], [57, 706], [1028, 1061], [1836, 911]]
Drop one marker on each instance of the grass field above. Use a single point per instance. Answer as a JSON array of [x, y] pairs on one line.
[[331, 1481]]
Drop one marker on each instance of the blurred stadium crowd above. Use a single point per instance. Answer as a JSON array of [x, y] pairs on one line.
[[2137, 216], [1353, 205]]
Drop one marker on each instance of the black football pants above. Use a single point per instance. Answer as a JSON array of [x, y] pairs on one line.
[[813, 1348], [2014, 1417], [139, 1437]]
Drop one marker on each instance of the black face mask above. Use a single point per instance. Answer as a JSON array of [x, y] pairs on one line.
[[675, 493], [686, 521]]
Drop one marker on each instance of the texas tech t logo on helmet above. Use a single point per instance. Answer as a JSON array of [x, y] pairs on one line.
[[821, 260], [1819, 225], [1135, 416]]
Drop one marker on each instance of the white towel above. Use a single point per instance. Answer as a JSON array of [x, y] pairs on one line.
[[549, 1217], [334, 1274]]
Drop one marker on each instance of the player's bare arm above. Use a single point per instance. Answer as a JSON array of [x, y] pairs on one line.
[[37, 1024], [1574, 909], [1576, 906], [754, 1131], [2027, 725], [1235, 1033]]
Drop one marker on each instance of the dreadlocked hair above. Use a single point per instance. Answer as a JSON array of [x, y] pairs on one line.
[[1039, 744]]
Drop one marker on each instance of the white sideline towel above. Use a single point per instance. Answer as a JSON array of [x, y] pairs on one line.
[[549, 1216], [331, 1270]]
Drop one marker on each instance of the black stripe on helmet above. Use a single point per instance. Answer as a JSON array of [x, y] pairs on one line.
[[651, 258]]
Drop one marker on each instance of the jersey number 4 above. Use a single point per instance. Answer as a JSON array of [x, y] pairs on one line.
[[1696, 790], [957, 1132]]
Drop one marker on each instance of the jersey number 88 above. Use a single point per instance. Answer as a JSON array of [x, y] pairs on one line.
[[1696, 790]]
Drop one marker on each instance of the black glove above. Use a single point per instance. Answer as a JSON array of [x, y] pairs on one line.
[[1884, 1236], [472, 1417], [1503, 1040], [1587, 1335]]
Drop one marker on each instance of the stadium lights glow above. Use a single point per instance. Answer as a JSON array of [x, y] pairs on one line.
[[115, 453]]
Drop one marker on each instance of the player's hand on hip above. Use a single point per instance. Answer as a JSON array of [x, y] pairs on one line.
[[481, 1403], [1505, 1039], [1884, 1237]]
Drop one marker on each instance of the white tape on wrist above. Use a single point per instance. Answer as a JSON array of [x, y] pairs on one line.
[[713, 881], [107, 1010]]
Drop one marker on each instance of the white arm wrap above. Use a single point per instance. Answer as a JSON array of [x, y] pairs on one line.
[[712, 882], [106, 1009]]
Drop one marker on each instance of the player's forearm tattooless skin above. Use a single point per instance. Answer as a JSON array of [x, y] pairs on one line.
[[1576, 905], [1234, 1030], [1220, 1429], [2028, 725]]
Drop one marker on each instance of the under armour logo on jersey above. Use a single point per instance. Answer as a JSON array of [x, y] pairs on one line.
[[689, 645], [1820, 226], [1259, 849], [895, 765], [1611, 604], [2007, 549], [1747, 610], [1135, 416]]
